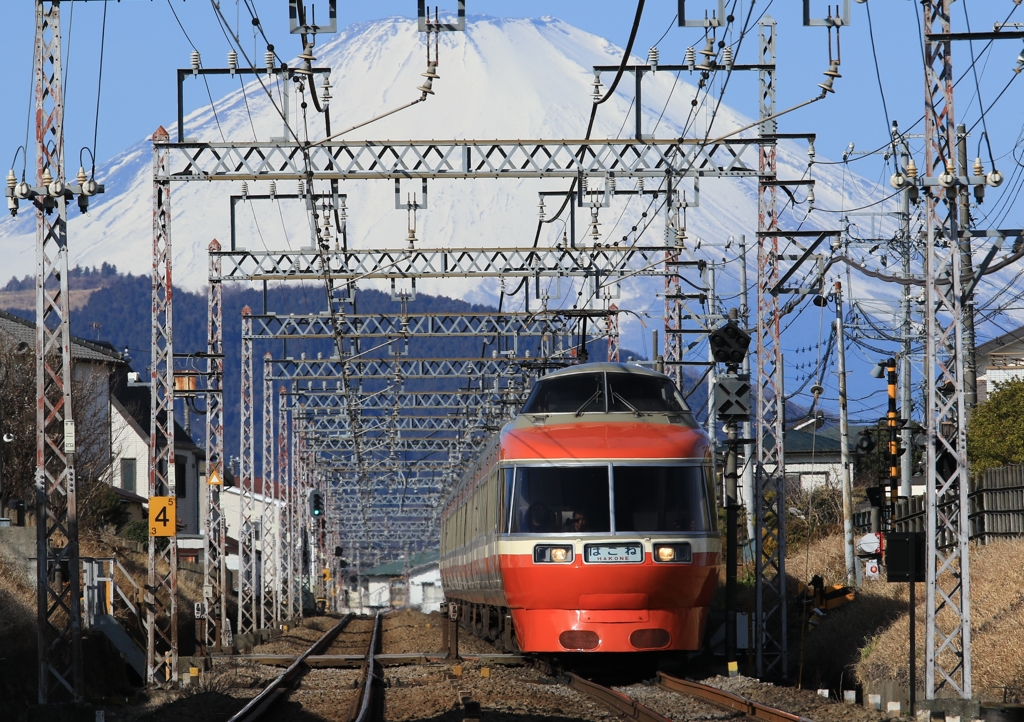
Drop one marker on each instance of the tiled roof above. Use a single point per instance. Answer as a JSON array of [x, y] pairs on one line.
[[398, 567], [19, 330]]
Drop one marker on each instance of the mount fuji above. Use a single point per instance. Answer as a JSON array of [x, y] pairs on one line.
[[502, 78]]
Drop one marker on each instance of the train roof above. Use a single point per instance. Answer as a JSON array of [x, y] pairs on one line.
[[606, 366]]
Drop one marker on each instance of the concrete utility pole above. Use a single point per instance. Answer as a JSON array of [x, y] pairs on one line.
[[844, 443]]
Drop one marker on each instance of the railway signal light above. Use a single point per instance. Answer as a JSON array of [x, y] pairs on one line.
[[316, 504], [729, 343]]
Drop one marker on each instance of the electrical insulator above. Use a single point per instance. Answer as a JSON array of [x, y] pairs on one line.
[[597, 86], [611, 184], [232, 60], [652, 59], [300, 187], [12, 200], [47, 178], [539, 205], [948, 179], [691, 57], [994, 179], [594, 232], [727, 56], [327, 91], [268, 58], [911, 169], [810, 197], [640, 185], [810, 150], [195, 62], [273, 188], [245, 189]]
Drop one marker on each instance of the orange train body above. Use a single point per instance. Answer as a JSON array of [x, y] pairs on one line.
[[588, 528]]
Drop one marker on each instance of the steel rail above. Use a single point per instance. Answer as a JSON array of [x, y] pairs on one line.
[[615, 700], [727, 700], [262, 702], [371, 669]]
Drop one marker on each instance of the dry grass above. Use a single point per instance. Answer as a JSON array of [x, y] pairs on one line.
[[17, 640], [833, 647], [868, 639], [997, 625]]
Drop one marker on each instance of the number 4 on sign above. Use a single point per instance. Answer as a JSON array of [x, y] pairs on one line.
[[162, 516]]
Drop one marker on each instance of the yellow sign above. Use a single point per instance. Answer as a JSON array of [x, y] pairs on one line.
[[162, 516], [214, 478]]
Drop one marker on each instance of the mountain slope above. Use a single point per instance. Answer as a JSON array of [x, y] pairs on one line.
[[501, 79]]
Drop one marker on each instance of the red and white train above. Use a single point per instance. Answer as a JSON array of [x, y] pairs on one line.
[[589, 523]]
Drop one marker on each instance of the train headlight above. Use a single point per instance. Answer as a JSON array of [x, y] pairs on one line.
[[672, 553], [551, 554]]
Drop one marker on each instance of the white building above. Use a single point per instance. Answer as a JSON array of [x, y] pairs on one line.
[[1000, 360], [413, 582]]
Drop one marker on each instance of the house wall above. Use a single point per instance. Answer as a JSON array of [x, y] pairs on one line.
[[425, 592], [91, 383], [127, 444], [813, 474]]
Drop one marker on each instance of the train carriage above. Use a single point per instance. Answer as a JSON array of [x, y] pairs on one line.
[[589, 522]]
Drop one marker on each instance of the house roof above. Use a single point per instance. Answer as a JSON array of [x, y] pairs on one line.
[[823, 441], [19, 330], [399, 567], [1000, 342]]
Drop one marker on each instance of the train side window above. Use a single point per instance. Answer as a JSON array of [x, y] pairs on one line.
[[508, 489], [709, 484], [661, 499], [548, 499]]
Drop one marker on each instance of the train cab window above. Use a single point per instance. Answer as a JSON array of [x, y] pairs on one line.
[[661, 499], [553, 500], [644, 394], [577, 393]]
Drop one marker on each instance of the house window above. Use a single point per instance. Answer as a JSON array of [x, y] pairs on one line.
[[180, 487], [128, 475]]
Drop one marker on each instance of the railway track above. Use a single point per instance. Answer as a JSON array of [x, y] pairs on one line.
[[345, 695], [735, 706], [344, 677]]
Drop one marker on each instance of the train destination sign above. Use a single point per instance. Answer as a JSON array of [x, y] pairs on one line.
[[613, 553]]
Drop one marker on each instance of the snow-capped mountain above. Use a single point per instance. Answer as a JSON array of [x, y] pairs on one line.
[[502, 78]]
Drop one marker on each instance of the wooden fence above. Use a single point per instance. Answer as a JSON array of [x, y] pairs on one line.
[[996, 508]]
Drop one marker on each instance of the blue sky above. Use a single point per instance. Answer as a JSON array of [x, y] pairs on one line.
[[144, 44]]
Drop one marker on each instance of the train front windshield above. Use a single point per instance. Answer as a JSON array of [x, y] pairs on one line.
[[579, 499], [613, 392]]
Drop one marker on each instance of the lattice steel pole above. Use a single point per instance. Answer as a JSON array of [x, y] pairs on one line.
[[770, 471], [285, 479], [948, 629], [59, 617], [162, 589], [673, 321], [215, 527], [270, 517], [612, 323], [247, 581]]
